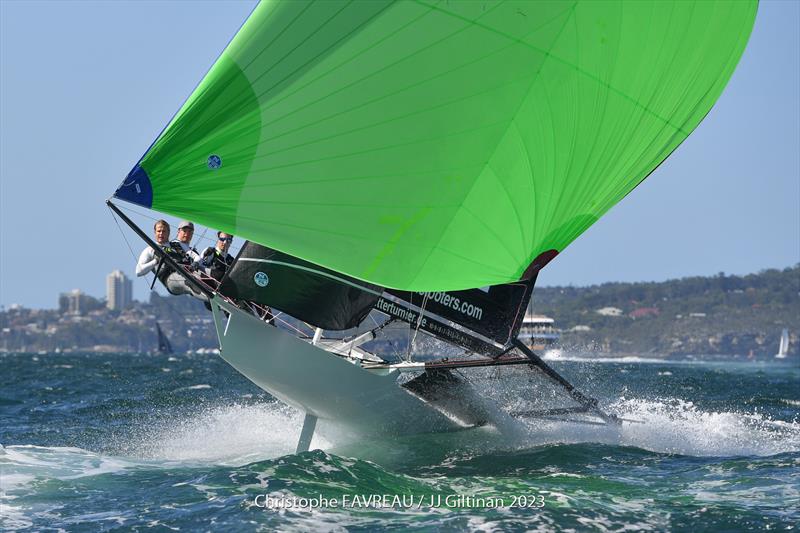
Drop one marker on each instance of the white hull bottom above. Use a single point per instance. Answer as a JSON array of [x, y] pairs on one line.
[[330, 387]]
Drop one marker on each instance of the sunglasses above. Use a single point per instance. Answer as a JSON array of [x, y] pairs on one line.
[[226, 239]]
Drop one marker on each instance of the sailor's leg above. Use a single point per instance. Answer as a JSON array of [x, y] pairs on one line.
[[176, 284], [309, 424]]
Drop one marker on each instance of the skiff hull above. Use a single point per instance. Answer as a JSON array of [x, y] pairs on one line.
[[322, 384]]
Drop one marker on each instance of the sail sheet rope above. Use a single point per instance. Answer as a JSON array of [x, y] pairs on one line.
[[130, 248]]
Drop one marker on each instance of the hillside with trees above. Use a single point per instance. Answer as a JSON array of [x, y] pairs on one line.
[[722, 314], [700, 316]]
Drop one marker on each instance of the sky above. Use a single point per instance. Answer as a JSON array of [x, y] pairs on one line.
[[85, 87]]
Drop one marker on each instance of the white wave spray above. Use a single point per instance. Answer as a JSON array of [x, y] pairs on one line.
[[674, 426], [227, 435]]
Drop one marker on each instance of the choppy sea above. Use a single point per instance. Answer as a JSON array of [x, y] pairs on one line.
[[96, 442]]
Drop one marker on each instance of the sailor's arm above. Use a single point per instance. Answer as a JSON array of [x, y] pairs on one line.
[[147, 262], [203, 261], [207, 256], [194, 256]]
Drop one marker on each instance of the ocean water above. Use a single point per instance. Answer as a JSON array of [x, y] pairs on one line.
[[96, 442]]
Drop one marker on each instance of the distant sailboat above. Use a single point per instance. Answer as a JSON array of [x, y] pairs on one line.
[[164, 346], [783, 348]]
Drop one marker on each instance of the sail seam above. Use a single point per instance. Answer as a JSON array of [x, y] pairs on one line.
[[547, 55], [565, 62]]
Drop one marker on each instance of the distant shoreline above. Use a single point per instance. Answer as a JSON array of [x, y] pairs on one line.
[[725, 317]]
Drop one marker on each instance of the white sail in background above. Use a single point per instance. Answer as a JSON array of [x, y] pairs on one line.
[[783, 348]]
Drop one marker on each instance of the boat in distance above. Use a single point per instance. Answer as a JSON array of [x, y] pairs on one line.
[[783, 347], [539, 333]]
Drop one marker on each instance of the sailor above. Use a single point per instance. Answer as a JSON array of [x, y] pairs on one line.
[[149, 261], [184, 242], [216, 261]]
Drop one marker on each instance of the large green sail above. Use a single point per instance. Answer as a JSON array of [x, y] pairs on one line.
[[435, 146]]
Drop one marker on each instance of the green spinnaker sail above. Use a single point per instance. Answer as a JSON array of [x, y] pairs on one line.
[[435, 146]]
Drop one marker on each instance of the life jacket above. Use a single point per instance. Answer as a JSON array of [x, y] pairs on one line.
[[178, 254], [217, 263]]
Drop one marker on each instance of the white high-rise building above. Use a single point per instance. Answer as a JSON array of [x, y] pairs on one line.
[[119, 291]]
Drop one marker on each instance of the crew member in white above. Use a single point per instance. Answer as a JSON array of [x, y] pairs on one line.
[[147, 259]]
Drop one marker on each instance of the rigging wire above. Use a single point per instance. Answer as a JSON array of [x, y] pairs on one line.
[[131, 210], [375, 328], [201, 238], [416, 329], [133, 254], [144, 278], [166, 301]]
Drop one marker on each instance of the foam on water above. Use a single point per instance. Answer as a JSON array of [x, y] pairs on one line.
[[227, 434], [202, 386], [220, 435], [584, 359], [676, 426], [24, 465], [242, 434]]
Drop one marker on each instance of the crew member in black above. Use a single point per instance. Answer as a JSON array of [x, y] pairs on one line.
[[216, 261]]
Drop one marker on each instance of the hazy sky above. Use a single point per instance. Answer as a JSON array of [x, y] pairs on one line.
[[85, 87]]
